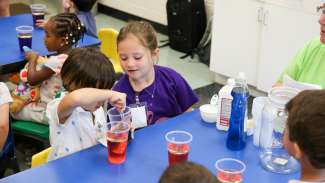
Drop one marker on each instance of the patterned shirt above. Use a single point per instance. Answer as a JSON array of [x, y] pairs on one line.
[[78, 132]]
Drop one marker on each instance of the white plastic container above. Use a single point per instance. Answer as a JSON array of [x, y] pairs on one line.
[[224, 105]]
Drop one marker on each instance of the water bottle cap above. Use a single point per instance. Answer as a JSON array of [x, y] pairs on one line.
[[214, 99]]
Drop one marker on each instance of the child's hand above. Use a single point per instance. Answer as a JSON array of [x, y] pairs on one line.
[[117, 100], [31, 55], [40, 23], [66, 4]]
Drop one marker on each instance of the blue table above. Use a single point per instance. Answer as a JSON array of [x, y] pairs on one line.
[[11, 58], [147, 158]]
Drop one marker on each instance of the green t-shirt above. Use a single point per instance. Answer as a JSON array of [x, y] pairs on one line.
[[309, 64]]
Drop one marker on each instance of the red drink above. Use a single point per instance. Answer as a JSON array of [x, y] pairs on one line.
[[38, 16], [177, 153], [116, 144], [225, 177], [25, 40]]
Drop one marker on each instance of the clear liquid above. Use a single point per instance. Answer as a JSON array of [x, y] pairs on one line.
[[279, 161]]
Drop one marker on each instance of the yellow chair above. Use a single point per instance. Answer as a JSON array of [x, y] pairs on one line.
[[108, 37], [41, 157]]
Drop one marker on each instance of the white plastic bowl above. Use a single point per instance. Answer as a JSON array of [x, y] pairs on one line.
[[209, 113]]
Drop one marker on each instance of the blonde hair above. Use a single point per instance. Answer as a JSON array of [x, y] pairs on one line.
[[143, 31]]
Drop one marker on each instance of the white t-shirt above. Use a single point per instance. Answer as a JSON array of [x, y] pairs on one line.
[[79, 131], [5, 96]]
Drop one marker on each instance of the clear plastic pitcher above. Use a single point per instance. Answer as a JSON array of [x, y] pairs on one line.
[[273, 155]]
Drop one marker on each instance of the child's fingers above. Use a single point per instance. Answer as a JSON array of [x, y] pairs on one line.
[[40, 23], [119, 105]]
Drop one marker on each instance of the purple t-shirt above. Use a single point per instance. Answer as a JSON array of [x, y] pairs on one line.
[[168, 96]]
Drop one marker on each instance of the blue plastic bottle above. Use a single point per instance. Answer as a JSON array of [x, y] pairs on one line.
[[236, 139]]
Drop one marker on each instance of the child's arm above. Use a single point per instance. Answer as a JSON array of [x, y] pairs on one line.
[[89, 99], [35, 77], [4, 123]]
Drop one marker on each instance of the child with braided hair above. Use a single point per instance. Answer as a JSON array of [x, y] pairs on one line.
[[62, 32], [82, 8]]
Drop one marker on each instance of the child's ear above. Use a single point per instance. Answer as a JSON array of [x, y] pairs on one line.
[[155, 53], [62, 41], [297, 151]]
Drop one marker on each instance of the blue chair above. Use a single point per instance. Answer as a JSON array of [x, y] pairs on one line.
[[8, 159]]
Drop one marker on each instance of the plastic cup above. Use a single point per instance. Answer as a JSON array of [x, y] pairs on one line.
[[230, 170], [178, 146], [38, 12], [115, 115], [24, 34], [117, 140]]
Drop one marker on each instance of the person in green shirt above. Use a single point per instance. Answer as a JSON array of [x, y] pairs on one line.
[[309, 64]]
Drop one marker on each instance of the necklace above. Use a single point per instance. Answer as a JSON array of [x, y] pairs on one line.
[[153, 91]]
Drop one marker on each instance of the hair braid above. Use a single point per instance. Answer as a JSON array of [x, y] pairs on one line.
[[68, 25]]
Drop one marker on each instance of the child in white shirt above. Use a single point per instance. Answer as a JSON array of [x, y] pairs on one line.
[[77, 120], [304, 136]]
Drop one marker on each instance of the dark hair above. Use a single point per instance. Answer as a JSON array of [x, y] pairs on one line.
[[68, 25], [87, 67], [84, 5], [306, 124], [143, 31], [187, 172]]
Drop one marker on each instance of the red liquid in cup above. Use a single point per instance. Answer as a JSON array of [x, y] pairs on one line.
[[38, 16], [177, 153], [224, 177], [116, 144], [25, 40]]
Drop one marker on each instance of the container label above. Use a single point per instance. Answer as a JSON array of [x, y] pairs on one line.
[[225, 111]]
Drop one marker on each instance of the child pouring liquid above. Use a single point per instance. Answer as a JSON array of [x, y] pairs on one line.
[[61, 33], [77, 120], [305, 134], [163, 91]]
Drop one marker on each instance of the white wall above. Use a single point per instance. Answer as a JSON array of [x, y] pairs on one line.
[[154, 10]]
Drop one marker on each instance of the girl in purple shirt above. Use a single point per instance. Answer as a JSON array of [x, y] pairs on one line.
[[164, 91]]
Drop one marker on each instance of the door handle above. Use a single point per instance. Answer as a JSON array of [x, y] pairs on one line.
[[260, 14], [266, 17]]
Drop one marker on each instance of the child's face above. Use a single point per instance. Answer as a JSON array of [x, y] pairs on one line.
[[136, 60], [52, 41]]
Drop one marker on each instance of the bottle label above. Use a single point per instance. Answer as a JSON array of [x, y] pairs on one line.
[[225, 111]]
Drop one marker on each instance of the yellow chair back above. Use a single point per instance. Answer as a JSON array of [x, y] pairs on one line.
[[41, 157], [108, 37]]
